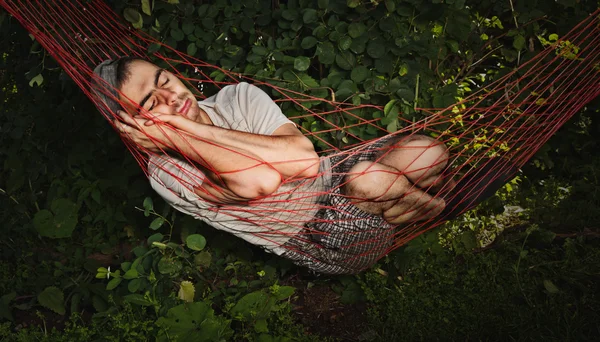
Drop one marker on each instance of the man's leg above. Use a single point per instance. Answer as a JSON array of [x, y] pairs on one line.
[[421, 159], [383, 190]]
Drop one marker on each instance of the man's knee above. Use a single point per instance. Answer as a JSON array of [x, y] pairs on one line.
[[373, 181], [419, 157]]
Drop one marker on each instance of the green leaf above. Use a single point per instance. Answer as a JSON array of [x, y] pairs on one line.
[[323, 4], [155, 238], [208, 23], [177, 34], [148, 205], [301, 63], [5, 311], [168, 265], [309, 42], [192, 49], [345, 60], [203, 259], [390, 5], [255, 305], [344, 43], [188, 26], [134, 285], [113, 283], [39, 79], [356, 30], [519, 42], [550, 287], [376, 48], [359, 74], [131, 274], [186, 291], [146, 7], [326, 53], [310, 16], [195, 322], [134, 17], [352, 3], [284, 292], [59, 222], [157, 223], [137, 299], [195, 242], [53, 298]]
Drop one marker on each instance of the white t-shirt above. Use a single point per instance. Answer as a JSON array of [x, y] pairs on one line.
[[268, 222]]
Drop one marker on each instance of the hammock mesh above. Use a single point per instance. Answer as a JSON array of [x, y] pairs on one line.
[[489, 135]]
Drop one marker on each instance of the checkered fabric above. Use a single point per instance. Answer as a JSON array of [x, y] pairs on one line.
[[343, 239]]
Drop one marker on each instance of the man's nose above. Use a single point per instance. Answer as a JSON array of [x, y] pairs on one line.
[[170, 97]]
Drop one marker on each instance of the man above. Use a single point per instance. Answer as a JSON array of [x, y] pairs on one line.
[[235, 161]]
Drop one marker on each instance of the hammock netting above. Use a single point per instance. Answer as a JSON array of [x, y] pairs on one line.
[[488, 136]]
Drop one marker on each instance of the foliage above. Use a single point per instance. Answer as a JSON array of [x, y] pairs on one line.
[[529, 289], [84, 243]]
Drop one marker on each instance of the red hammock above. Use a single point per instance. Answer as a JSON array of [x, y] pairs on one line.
[[490, 134]]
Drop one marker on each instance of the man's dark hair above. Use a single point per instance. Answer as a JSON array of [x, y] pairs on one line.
[[109, 77]]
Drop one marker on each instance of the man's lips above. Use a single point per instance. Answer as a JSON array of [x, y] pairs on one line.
[[186, 107]]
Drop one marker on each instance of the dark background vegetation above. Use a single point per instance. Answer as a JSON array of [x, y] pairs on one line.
[[523, 266]]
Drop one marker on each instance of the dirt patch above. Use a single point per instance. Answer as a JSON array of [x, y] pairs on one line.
[[318, 308]]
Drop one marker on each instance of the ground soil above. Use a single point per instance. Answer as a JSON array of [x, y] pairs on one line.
[[319, 310]]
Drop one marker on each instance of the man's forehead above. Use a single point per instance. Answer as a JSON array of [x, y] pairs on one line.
[[140, 81]]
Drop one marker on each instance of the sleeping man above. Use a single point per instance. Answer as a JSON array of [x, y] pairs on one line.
[[236, 162]]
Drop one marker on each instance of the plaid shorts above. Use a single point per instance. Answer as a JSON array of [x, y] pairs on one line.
[[342, 238]]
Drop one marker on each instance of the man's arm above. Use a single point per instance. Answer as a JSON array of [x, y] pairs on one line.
[[250, 165]]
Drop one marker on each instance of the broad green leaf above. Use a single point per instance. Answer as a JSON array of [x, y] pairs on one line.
[[131, 274], [134, 17], [148, 205], [59, 222], [168, 265], [356, 29], [203, 259], [301, 63], [208, 23], [359, 74], [345, 60], [519, 42], [192, 49], [5, 310], [155, 238], [188, 26], [53, 298], [247, 24], [550, 287], [113, 283], [309, 42], [310, 16], [352, 3], [146, 7], [284, 292], [38, 80], [323, 4], [137, 299], [194, 322], [157, 223], [177, 34], [344, 43], [255, 305], [134, 285], [186, 291], [195, 242], [376, 48], [390, 5]]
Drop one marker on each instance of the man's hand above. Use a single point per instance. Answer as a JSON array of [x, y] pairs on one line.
[[153, 138]]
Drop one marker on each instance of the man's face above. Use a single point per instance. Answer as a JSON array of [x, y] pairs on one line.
[[157, 91]]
